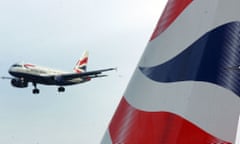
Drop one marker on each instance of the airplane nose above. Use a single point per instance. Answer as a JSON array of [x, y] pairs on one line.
[[11, 70]]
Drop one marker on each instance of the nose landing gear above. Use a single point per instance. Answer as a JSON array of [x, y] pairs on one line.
[[35, 90]]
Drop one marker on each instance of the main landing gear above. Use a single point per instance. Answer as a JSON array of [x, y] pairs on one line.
[[61, 89], [37, 91]]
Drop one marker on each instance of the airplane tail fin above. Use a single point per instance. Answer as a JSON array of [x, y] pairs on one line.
[[181, 91], [81, 65]]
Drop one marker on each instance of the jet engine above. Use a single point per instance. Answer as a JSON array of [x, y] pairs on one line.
[[19, 83]]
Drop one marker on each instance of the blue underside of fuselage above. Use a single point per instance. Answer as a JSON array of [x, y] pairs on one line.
[[45, 80], [209, 59]]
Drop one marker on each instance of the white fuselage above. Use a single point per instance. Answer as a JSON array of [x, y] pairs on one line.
[[43, 75]]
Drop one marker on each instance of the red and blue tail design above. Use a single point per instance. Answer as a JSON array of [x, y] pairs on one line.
[[81, 65], [185, 90]]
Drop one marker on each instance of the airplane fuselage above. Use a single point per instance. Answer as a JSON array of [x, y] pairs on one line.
[[42, 75]]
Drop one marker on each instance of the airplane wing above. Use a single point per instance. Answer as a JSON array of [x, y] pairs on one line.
[[90, 74], [4, 77]]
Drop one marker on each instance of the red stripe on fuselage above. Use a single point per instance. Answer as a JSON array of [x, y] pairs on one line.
[[132, 126], [170, 13]]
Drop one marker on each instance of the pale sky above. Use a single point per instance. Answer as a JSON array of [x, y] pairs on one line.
[[54, 33]]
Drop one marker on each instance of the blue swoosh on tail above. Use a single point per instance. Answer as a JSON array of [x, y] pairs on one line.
[[209, 59]]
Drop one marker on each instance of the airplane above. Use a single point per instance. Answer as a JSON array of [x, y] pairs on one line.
[[182, 90], [24, 73]]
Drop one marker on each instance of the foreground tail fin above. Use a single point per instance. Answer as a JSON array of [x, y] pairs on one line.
[[181, 92], [81, 65]]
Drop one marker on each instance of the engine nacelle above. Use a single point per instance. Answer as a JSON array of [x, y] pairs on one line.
[[19, 83]]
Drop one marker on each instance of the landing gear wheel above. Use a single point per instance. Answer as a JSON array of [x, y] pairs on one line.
[[35, 91], [61, 89]]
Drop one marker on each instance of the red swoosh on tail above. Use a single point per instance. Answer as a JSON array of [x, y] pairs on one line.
[[132, 126], [173, 9]]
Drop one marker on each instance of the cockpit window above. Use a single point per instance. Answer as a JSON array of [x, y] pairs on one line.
[[16, 65]]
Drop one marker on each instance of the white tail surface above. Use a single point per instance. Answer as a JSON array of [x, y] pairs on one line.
[[182, 91]]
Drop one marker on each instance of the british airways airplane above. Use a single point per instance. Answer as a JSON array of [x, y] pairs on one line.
[[24, 73], [184, 90]]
